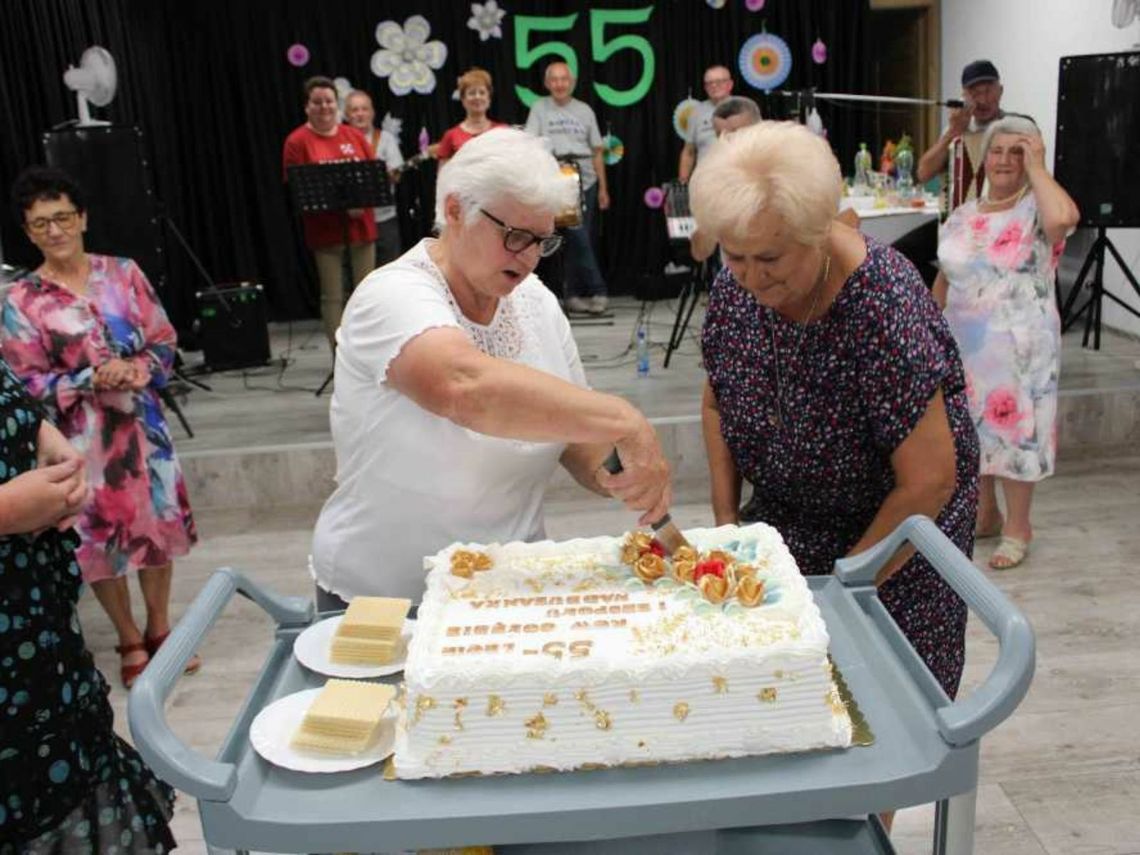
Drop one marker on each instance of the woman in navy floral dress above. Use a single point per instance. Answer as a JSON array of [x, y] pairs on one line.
[[68, 784], [834, 384]]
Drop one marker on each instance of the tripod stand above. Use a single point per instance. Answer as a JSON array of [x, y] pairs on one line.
[[681, 227], [339, 187], [686, 302], [1093, 305]]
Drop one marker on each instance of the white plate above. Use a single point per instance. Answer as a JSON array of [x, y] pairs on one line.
[[312, 647], [275, 725]]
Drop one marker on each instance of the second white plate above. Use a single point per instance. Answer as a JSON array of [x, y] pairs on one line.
[[311, 648], [273, 728]]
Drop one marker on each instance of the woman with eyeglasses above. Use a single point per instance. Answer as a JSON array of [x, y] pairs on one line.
[[91, 342], [459, 388]]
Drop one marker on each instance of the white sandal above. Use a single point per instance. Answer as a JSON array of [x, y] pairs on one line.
[[1010, 551]]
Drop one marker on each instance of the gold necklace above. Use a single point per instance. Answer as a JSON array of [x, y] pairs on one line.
[[780, 421]]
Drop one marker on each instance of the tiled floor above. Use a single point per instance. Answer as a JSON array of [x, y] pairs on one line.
[[1061, 776]]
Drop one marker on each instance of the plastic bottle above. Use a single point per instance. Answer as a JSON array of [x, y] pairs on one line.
[[904, 165], [642, 351], [862, 169]]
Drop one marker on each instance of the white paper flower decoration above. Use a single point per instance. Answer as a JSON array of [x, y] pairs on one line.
[[406, 57], [391, 125], [486, 19], [343, 88]]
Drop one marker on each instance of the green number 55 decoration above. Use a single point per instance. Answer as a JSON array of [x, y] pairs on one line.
[[601, 50]]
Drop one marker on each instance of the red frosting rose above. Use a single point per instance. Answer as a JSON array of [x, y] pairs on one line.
[[709, 567]]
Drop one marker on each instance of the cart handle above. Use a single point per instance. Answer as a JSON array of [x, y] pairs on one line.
[[169, 757], [963, 721]]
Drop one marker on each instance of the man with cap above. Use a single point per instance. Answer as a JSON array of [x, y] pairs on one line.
[[960, 144]]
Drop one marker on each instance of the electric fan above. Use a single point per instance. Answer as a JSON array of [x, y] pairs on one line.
[[93, 82]]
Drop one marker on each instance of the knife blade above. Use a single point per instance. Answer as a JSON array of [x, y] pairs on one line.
[[664, 528]]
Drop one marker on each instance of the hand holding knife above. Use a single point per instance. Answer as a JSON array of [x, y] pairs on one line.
[[664, 527]]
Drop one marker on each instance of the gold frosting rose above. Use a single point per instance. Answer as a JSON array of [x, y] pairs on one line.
[[685, 553], [714, 588], [636, 543], [465, 571], [463, 563], [649, 567], [750, 591], [684, 569], [742, 570]]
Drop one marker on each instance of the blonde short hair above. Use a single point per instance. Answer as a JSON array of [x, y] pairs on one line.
[[474, 76], [780, 167], [502, 163]]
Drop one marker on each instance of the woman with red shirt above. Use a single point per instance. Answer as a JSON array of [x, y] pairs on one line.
[[475, 95], [322, 138]]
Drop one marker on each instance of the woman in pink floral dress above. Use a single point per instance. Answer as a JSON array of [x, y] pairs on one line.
[[89, 339], [998, 257]]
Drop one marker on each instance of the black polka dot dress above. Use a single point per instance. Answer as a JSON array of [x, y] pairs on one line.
[[852, 386], [68, 784]]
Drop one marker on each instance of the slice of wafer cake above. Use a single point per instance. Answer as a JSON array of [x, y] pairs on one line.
[[369, 632], [345, 717]]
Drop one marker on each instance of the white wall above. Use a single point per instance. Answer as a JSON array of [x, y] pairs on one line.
[[1025, 39]]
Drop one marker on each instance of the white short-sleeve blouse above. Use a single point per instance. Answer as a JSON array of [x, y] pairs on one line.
[[409, 482]]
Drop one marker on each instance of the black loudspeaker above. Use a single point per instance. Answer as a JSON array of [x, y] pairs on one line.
[[232, 326], [1098, 137], [122, 214]]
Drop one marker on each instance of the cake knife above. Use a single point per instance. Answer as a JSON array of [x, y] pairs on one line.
[[665, 529]]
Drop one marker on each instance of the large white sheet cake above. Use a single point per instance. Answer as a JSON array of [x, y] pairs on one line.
[[563, 656]]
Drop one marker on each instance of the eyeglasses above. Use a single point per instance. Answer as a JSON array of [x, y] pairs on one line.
[[520, 240], [718, 81], [64, 219]]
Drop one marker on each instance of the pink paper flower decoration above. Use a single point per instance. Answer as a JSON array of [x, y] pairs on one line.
[[754, 5], [819, 52], [654, 197], [298, 55]]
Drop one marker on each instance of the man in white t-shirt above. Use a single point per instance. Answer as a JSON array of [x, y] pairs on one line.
[[571, 128], [702, 134], [360, 113]]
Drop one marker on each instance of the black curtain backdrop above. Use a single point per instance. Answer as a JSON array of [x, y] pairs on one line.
[[210, 88]]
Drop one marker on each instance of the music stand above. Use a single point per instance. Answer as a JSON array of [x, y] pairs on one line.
[[339, 187]]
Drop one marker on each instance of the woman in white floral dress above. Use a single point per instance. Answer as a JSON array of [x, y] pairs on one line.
[[998, 257]]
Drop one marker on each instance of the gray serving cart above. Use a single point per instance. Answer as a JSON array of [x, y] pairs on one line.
[[925, 750]]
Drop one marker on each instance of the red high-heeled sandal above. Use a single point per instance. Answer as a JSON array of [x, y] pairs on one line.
[[152, 645], [129, 673]]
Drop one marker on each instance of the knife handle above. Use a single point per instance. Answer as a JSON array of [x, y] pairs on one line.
[[612, 464]]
